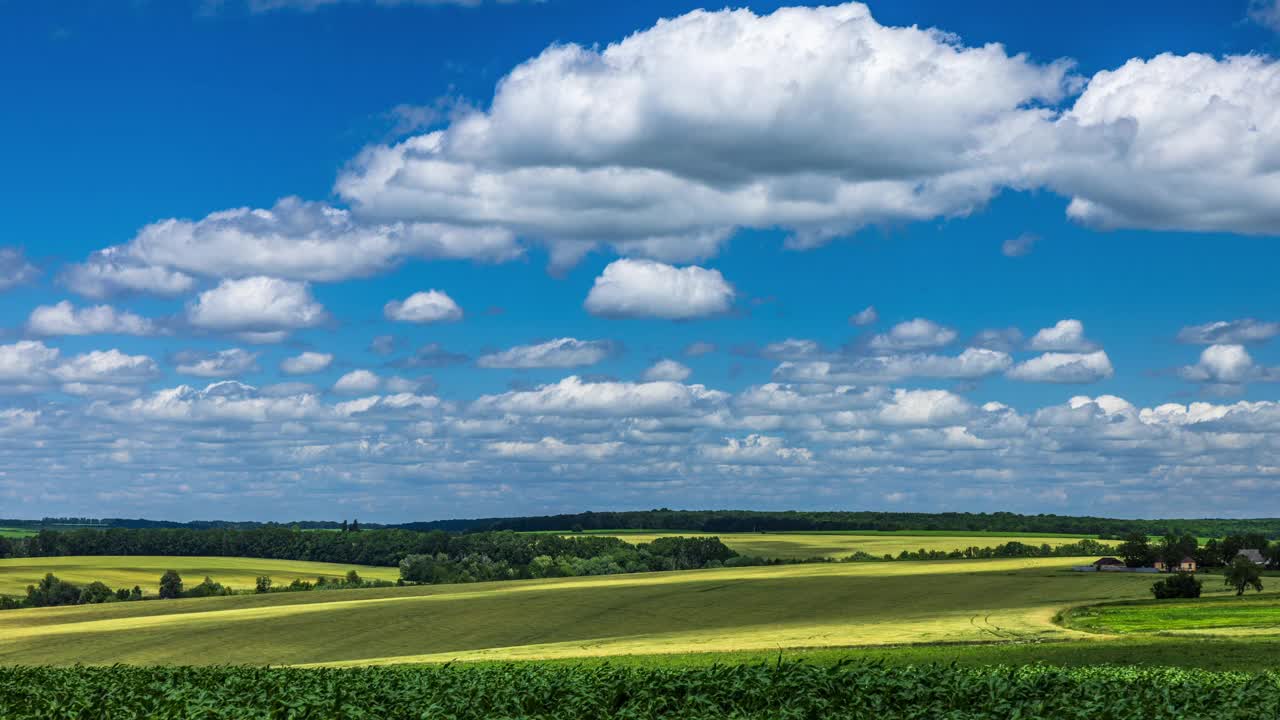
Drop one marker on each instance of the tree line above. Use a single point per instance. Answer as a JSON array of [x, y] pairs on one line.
[[723, 521]]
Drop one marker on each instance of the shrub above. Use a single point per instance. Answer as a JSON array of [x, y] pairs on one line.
[[1181, 585]]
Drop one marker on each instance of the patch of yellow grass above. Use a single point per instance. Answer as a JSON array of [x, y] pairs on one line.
[[805, 545], [145, 571]]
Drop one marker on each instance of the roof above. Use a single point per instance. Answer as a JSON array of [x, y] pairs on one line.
[[1187, 559], [1108, 561], [1253, 554]]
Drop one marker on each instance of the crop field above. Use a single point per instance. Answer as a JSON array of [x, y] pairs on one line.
[[1250, 614], [805, 545], [145, 570], [722, 610], [772, 690], [16, 532]]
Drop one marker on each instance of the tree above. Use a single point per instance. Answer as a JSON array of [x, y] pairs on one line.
[[1135, 550], [344, 525], [355, 525], [94, 593], [1173, 548], [353, 578], [1242, 574], [577, 528], [170, 585], [135, 593], [262, 585], [1179, 585]]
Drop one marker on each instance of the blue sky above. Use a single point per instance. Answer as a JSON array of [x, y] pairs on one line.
[[275, 259]]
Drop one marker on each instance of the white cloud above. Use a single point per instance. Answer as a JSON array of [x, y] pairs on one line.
[[667, 369], [917, 334], [971, 364], [107, 366], [14, 268], [1064, 336], [306, 363], [1228, 365], [755, 449], [925, 407], [295, 240], [256, 304], [424, 307], [26, 362], [357, 381], [645, 288], [818, 120], [558, 353], [1237, 332], [112, 271], [552, 449], [866, 316], [1177, 142], [224, 363], [65, 319], [574, 396], [1057, 367]]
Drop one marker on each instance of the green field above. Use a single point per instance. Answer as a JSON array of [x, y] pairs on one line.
[[724, 610], [1248, 615], [16, 532], [145, 571], [791, 546]]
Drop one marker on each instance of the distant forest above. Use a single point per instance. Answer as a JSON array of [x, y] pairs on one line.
[[724, 521]]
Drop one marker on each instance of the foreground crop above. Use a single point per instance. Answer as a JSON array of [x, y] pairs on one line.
[[786, 690]]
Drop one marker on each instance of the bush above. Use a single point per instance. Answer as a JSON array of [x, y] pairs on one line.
[[1181, 585], [170, 585]]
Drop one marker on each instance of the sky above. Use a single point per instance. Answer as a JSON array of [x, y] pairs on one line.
[[419, 259]]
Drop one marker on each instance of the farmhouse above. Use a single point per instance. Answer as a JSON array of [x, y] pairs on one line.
[[1108, 562], [1254, 556]]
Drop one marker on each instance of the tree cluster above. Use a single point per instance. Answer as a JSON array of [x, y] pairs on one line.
[[52, 591], [512, 556]]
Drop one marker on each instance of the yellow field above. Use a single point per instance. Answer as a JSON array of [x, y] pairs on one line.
[[145, 571], [806, 545], [760, 608]]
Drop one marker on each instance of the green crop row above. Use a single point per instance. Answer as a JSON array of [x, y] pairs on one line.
[[772, 690]]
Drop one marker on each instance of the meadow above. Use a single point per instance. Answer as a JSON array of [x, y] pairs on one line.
[[16, 532], [1246, 615], [145, 571], [721, 610], [798, 545]]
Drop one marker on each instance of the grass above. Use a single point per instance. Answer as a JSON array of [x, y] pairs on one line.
[[804, 544], [145, 571], [1250, 614], [16, 532], [756, 610]]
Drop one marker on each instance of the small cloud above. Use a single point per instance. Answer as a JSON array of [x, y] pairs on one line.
[[432, 355], [1019, 246], [431, 306], [867, 316], [1231, 332], [699, 348], [668, 370], [357, 381]]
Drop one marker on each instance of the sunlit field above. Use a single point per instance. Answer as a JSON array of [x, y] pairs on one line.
[[805, 545], [723, 610], [145, 571]]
